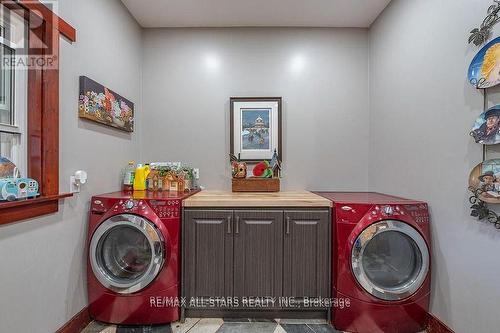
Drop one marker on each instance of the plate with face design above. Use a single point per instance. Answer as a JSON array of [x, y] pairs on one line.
[[485, 177], [486, 129], [484, 70]]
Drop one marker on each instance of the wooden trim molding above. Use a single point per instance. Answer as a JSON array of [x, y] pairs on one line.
[[434, 325], [77, 323], [42, 12], [47, 15], [45, 28]]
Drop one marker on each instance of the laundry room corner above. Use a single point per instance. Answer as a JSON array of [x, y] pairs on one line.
[[421, 111], [237, 166], [48, 252]]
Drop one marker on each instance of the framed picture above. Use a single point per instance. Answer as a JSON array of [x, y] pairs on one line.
[[256, 128], [102, 105]]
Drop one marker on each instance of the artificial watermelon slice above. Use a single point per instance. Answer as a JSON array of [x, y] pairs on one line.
[[260, 169]]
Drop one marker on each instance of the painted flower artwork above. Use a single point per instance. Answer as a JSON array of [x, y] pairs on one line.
[[255, 129], [102, 105]]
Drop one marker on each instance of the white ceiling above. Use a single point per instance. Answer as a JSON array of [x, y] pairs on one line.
[[255, 13]]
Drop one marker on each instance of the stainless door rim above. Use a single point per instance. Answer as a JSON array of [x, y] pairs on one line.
[[389, 294], [155, 240]]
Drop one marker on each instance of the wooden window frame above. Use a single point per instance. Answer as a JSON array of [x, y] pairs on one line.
[[43, 112]]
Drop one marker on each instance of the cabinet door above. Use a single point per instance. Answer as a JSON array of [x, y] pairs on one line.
[[258, 253], [208, 256], [307, 254]]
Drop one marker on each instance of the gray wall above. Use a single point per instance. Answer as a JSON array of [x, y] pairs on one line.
[[42, 277], [422, 108], [388, 109], [322, 75]]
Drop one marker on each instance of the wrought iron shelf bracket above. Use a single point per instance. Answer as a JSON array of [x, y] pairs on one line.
[[480, 210], [480, 35]]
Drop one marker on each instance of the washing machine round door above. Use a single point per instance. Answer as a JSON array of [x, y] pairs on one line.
[[126, 253], [390, 260]]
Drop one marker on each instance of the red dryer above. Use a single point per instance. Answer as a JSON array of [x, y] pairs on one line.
[[381, 263], [133, 269]]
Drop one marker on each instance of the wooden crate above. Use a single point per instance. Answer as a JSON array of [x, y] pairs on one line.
[[256, 185]]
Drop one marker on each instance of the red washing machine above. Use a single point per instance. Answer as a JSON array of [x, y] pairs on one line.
[[133, 269], [381, 262]]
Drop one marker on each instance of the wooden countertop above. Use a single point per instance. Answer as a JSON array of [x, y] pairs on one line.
[[261, 199]]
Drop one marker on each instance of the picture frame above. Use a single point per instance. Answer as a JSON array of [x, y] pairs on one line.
[[256, 128]]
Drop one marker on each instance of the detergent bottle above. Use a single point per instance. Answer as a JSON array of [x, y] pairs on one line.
[[128, 177], [141, 174]]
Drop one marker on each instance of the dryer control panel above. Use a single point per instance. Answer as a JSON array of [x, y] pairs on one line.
[[419, 212], [388, 210]]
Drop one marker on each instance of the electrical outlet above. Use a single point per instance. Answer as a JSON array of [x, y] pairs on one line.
[[74, 187], [196, 173]]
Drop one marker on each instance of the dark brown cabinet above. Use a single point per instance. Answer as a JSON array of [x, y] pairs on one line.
[[306, 254], [208, 253], [256, 253]]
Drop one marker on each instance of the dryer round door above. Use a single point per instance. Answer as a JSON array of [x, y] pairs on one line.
[[390, 260], [126, 253]]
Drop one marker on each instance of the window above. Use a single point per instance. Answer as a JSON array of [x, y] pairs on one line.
[[34, 100], [13, 91]]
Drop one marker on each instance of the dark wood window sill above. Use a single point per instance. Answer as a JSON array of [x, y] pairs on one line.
[[29, 208]]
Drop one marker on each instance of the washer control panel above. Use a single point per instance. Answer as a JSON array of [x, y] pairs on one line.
[[99, 206], [166, 208], [131, 205], [388, 210], [163, 208]]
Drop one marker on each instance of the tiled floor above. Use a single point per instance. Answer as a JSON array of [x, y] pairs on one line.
[[212, 325]]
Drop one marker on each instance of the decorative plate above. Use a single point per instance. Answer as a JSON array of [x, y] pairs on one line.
[[484, 70], [7, 168], [484, 179], [486, 129]]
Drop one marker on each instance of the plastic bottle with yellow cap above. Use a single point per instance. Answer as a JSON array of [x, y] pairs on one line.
[[141, 174]]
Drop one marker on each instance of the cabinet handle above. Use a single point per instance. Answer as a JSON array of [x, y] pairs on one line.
[[287, 225], [237, 227], [229, 224]]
